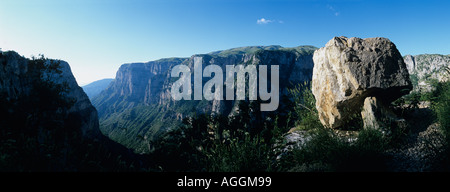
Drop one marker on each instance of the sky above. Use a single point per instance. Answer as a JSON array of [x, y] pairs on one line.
[[97, 36]]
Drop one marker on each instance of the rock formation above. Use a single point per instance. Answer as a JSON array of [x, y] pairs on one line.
[[47, 122], [18, 79], [348, 70], [135, 83]]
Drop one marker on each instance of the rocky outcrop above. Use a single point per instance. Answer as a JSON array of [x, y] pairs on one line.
[[48, 123], [348, 70], [82, 111], [294, 139], [19, 80], [12, 72], [410, 63]]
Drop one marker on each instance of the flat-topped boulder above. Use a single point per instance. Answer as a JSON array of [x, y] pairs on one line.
[[348, 70]]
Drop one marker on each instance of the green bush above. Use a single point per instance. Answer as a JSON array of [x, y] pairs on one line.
[[247, 154], [241, 142], [305, 107], [328, 152], [441, 106]]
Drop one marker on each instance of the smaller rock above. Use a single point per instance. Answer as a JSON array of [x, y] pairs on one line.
[[377, 115], [294, 139]]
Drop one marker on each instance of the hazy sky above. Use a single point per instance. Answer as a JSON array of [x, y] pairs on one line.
[[97, 36]]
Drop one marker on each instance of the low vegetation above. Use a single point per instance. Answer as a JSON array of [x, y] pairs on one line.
[[209, 142]]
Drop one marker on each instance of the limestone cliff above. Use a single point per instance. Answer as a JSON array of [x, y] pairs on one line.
[[48, 123], [425, 68], [19, 79]]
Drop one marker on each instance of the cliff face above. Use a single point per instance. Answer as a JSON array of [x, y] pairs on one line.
[[141, 82], [139, 104], [12, 72], [82, 110], [20, 78], [135, 84], [427, 67], [47, 122]]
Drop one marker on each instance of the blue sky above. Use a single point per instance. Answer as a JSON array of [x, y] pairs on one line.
[[97, 36]]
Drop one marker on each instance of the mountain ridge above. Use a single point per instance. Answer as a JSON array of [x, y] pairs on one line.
[[94, 88]]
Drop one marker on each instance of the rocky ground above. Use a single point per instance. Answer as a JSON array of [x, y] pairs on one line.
[[420, 149]]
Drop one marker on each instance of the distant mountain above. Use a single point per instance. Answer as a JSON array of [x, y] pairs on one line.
[[137, 107], [426, 68], [94, 88], [254, 49]]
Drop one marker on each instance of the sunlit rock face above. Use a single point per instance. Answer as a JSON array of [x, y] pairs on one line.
[[347, 70]]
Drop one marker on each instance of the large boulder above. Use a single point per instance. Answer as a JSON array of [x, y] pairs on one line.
[[347, 70]]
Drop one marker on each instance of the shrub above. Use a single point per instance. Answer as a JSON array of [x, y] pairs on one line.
[[328, 152], [304, 107], [206, 142], [248, 154], [441, 106]]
